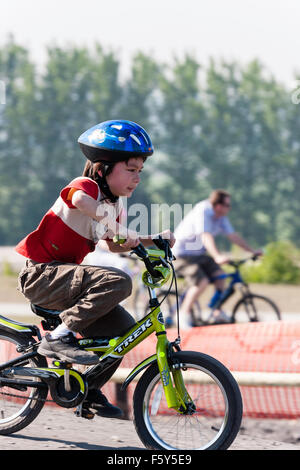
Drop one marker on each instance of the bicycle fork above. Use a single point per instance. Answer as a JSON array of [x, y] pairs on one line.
[[174, 388]]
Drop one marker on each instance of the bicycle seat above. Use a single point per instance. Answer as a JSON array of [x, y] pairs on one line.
[[51, 317], [44, 312]]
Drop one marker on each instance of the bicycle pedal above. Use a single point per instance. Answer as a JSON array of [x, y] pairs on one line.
[[87, 414], [81, 412]]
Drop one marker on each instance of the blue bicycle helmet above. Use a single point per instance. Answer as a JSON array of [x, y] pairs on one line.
[[115, 141]]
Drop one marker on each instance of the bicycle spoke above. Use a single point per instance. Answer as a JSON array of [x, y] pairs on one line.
[[188, 431]]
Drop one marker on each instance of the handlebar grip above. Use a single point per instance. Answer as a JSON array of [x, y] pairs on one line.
[[138, 250], [117, 239]]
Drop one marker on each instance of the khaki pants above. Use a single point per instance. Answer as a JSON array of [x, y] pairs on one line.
[[87, 296]]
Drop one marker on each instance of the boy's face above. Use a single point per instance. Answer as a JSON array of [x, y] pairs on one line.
[[125, 177]]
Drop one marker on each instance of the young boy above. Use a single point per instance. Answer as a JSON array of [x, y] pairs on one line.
[[88, 209]]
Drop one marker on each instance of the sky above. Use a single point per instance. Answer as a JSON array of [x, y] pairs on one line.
[[224, 29]]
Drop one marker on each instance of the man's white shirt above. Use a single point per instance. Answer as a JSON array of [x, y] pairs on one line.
[[200, 219]]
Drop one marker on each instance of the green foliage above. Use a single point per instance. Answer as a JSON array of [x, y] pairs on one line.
[[7, 269], [226, 126], [280, 264]]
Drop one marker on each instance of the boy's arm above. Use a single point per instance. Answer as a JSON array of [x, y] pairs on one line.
[[145, 240], [166, 235], [93, 209], [89, 206]]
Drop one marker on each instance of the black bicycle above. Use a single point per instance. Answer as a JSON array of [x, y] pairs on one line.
[[250, 307]]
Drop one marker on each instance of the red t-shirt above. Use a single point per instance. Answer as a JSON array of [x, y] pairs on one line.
[[66, 234]]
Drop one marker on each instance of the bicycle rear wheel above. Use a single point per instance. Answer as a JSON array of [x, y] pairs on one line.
[[255, 308], [214, 423], [19, 405]]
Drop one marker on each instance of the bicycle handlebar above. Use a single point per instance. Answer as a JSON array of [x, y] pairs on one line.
[[238, 263], [142, 253]]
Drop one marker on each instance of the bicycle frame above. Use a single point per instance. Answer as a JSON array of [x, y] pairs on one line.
[[114, 349], [118, 347], [236, 278]]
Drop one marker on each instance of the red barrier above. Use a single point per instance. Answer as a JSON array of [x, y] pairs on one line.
[[249, 347]]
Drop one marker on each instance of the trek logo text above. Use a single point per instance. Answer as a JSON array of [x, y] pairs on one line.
[[133, 336]]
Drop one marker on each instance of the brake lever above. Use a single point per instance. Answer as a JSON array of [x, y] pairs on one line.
[[140, 251], [159, 242], [164, 245]]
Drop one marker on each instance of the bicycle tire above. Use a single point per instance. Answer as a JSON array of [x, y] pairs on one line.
[[252, 312], [151, 423], [13, 419]]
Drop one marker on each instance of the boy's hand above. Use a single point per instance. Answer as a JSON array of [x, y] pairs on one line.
[[168, 235], [130, 243]]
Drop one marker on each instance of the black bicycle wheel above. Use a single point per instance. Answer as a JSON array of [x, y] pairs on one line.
[[19, 406], [213, 424], [255, 308], [196, 314], [169, 309]]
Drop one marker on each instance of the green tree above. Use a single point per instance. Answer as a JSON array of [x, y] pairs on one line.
[[245, 108], [178, 171], [226, 126], [18, 114]]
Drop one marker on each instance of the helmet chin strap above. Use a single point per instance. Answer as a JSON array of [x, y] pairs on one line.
[[104, 188]]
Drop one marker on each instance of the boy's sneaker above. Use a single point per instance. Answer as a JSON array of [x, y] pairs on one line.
[[66, 349], [97, 401], [219, 319]]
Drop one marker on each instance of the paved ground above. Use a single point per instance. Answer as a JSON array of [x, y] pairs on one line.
[[58, 429]]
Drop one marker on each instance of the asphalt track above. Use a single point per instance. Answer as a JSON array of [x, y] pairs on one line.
[[60, 429]]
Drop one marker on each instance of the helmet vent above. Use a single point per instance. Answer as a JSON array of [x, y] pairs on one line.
[[134, 137]]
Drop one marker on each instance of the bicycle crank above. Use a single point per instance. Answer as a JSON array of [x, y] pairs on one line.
[[67, 387]]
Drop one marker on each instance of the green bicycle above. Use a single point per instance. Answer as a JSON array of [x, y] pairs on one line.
[[183, 400]]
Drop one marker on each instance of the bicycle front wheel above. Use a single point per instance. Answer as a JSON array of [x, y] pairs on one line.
[[254, 308], [213, 424]]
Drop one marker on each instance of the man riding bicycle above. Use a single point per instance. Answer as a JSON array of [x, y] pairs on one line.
[[195, 236]]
